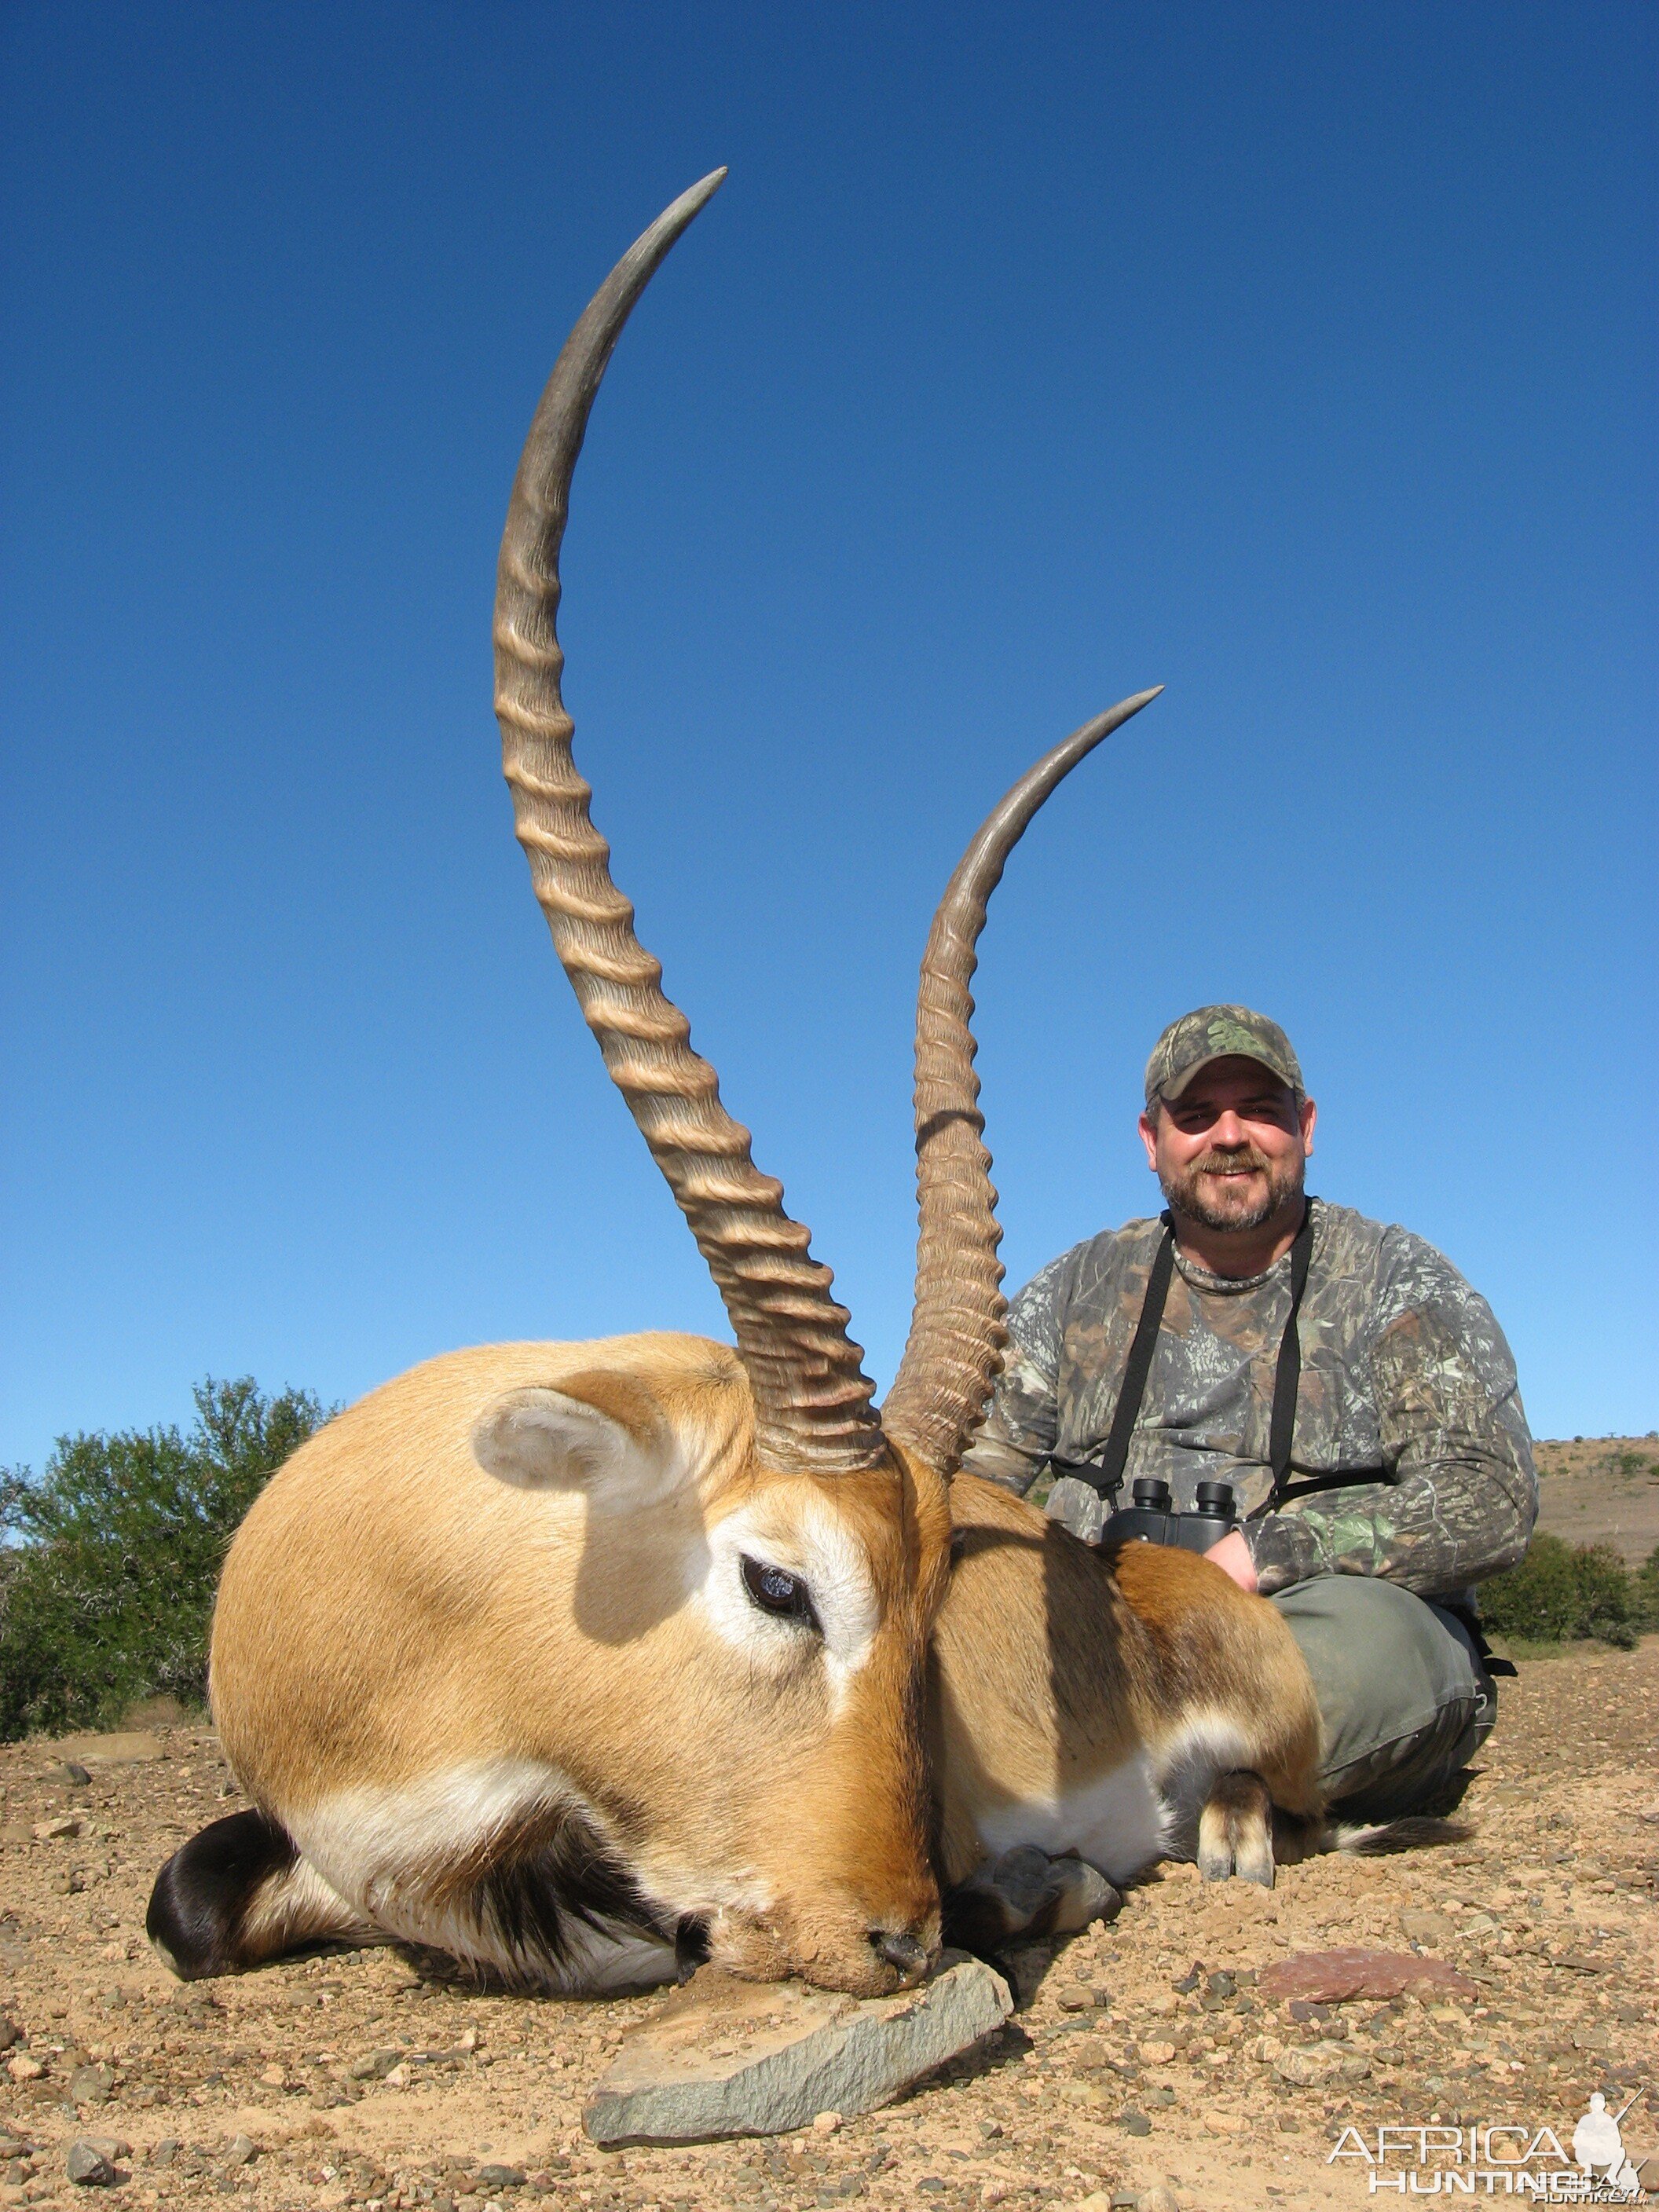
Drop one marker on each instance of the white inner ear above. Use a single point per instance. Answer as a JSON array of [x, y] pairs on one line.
[[543, 1440]]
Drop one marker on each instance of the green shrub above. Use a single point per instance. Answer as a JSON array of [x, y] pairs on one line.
[[106, 1585], [1560, 1590], [1645, 1580]]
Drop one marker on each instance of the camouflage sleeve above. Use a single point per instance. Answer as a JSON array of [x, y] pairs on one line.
[[1465, 1494], [1020, 1428]]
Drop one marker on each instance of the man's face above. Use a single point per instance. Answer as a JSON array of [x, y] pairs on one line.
[[1229, 1151]]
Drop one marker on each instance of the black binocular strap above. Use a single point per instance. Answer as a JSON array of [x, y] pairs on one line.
[[1287, 1377], [1286, 1381], [1115, 1456], [1107, 1476]]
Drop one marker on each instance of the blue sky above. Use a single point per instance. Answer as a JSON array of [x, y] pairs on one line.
[[1295, 357]]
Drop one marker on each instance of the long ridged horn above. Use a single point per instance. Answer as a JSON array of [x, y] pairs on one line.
[[954, 1350], [812, 1397]]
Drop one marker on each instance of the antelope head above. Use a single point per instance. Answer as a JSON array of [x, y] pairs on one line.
[[825, 1524]]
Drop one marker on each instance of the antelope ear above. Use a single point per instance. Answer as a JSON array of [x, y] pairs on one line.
[[601, 1434]]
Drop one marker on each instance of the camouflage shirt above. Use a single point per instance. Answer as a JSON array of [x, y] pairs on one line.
[[1406, 1384]]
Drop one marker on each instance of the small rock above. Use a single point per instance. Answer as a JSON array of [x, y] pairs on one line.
[[1158, 2198], [498, 2177], [375, 2065], [91, 2085], [805, 2051], [1227, 2124], [88, 2165], [826, 2123], [239, 2150], [22, 2067], [1307, 2064], [58, 1829], [1158, 2054], [1134, 2124], [70, 1773], [1334, 1977], [1425, 1927], [1096, 2201], [397, 2077], [273, 2077], [9, 2033]]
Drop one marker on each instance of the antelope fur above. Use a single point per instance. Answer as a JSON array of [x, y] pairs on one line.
[[501, 1594]]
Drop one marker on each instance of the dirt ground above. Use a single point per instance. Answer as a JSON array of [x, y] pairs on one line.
[[1602, 1487], [1125, 2072]]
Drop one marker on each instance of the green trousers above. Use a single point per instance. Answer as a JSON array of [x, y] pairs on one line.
[[1404, 1697]]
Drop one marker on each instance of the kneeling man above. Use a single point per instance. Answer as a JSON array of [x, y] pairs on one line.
[[1342, 1376]]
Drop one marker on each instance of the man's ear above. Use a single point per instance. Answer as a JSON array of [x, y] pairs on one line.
[[602, 1434], [1148, 1128], [1309, 1116]]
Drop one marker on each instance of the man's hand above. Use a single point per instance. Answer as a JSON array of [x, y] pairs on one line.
[[1232, 1556]]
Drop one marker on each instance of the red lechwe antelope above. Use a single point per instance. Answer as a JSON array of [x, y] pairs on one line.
[[582, 1661]]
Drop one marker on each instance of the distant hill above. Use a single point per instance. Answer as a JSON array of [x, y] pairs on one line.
[[1601, 1488]]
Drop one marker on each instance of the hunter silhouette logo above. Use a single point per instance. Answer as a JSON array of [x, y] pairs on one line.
[[1600, 2149]]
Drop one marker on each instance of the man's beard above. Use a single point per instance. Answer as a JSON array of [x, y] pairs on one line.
[[1230, 1206]]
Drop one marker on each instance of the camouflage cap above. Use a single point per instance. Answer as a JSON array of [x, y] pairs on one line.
[[1218, 1033]]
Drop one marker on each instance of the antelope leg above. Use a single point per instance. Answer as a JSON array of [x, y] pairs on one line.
[[1234, 1831]]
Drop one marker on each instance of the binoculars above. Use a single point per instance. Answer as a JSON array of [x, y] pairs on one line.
[[1152, 1519]]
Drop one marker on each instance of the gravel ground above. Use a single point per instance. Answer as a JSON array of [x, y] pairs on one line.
[[1128, 2072]]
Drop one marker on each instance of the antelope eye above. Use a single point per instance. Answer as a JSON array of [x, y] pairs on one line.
[[774, 1590]]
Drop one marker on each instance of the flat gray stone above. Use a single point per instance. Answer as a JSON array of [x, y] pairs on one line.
[[726, 2058]]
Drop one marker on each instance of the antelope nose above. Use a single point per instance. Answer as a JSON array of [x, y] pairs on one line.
[[903, 1952]]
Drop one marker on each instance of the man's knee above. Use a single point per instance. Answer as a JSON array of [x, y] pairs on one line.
[[1403, 1697]]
